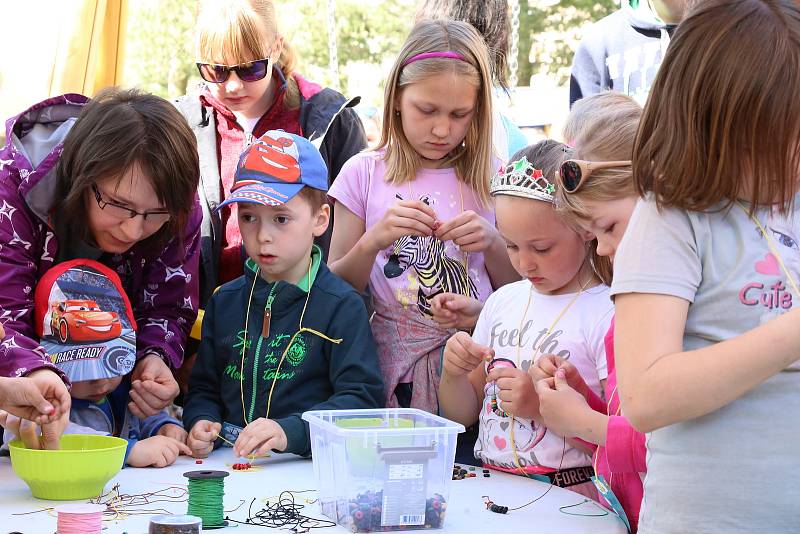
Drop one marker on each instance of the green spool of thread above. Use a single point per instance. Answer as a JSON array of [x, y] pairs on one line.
[[206, 489]]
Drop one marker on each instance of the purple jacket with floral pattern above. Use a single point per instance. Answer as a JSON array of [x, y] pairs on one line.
[[162, 286]]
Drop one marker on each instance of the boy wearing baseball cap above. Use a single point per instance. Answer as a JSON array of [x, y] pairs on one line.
[[289, 335]]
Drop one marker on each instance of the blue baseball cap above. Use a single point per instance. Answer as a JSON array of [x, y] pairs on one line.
[[275, 168]]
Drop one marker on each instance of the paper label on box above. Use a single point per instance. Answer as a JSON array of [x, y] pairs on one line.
[[403, 495]]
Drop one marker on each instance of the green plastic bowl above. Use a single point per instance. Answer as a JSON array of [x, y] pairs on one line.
[[79, 470]]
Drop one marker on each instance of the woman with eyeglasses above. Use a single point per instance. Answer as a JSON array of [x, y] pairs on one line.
[[251, 87], [112, 179]]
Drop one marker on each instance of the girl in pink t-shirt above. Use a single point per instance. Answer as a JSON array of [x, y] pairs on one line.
[[413, 218], [600, 201]]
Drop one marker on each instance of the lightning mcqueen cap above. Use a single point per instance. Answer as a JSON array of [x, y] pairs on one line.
[[84, 321], [275, 168]]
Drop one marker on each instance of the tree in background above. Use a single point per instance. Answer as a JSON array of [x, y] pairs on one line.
[[160, 41], [550, 32], [159, 47]]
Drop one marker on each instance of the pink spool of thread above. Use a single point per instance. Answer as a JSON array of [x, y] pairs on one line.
[[80, 519]]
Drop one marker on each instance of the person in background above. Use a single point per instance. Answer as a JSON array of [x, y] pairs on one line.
[[623, 51], [251, 86]]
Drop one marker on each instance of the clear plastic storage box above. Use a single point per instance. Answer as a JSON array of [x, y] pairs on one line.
[[387, 469]]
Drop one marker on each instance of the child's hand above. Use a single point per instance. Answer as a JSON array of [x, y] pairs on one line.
[[46, 436], [455, 311], [260, 437], [157, 451], [560, 406], [462, 355], [173, 431], [405, 217], [152, 386], [40, 397], [202, 436], [516, 391], [468, 230], [548, 364]]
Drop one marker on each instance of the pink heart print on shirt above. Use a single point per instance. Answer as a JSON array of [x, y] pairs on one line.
[[769, 265], [499, 442]]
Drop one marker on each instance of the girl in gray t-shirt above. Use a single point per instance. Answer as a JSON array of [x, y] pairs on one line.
[[705, 279]]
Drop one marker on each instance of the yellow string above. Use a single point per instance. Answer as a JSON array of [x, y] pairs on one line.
[[533, 359], [252, 456], [285, 351], [244, 344], [773, 249]]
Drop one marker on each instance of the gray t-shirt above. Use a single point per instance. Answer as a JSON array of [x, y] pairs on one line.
[[737, 469]]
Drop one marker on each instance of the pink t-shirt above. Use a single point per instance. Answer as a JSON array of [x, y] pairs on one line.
[[414, 269]]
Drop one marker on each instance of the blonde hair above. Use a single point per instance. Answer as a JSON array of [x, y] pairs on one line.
[[472, 160], [603, 127], [244, 30]]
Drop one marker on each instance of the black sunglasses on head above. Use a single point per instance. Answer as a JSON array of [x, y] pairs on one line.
[[247, 72]]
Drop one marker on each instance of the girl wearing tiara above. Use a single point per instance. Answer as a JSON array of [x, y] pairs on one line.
[[559, 308]]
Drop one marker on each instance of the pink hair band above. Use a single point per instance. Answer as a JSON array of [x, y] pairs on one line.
[[428, 55]]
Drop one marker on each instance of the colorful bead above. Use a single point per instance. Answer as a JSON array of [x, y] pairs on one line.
[[241, 466], [366, 508]]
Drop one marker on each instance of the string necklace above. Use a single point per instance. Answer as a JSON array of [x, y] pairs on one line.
[[264, 330], [491, 506], [773, 249], [533, 360], [464, 254], [608, 411]]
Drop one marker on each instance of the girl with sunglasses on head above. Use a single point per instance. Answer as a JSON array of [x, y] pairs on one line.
[[594, 193], [707, 339], [112, 179], [561, 307], [251, 87], [413, 218]]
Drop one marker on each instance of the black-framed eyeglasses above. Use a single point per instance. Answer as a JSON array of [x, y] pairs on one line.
[[574, 172], [251, 71], [152, 218]]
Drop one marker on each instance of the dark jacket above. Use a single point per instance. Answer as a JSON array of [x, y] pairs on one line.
[[316, 374], [326, 119], [161, 284]]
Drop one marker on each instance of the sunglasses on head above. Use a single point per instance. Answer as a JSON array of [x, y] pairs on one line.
[[247, 72], [575, 172]]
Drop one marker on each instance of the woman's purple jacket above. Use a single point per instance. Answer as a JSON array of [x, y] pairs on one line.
[[162, 285]]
